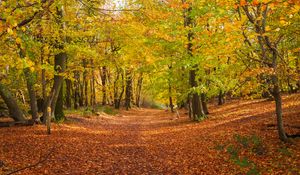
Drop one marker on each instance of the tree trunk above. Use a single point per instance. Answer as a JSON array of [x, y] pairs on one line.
[[278, 105], [85, 83], [171, 104], [139, 90], [170, 97], [32, 95], [221, 99], [50, 103], [128, 89], [59, 111], [86, 100], [93, 89], [30, 81], [14, 111], [196, 106], [68, 93], [268, 48], [103, 81], [204, 104], [81, 94], [117, 106], [277, 96], [196, 109], [76, 89], [118, 97], [298, 70], [43, 80]]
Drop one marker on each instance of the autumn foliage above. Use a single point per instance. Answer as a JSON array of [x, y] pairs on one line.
[[103, 76]]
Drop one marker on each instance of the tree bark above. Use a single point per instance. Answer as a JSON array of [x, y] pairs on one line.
[[277, 96], [196, 104], [170, 97], [139, 90], [81, 94], [30, 81], [196, 109], [76, 89], [93, 88], [171, 104], [14, 111], [59, 110], [32, 95], [128, 90], [204, 104], [85, 83], [118, 97], [50, 103], [298, 70], [68, 93], [43, 76], [278, 106], [103, 81], [221, 99]]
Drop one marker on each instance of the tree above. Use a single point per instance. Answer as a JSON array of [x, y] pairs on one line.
[[261, 15]]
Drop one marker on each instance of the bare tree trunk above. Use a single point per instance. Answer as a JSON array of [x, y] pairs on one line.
[[197, 108], [277, 97], [43, 76], [86, 100], [30, 81], [14, 111], [50, 103], [103, 81], [139, 90], [118, 97], [221, 99], [76, 89], [204, 104], [59, 110], [122, 92], [81, 94], [85, 84], [68, 93], [32, 95], [111, 95], [116, 102], [298, 70], [278, 105], [170, 97], [128, 90], [93, 88], [171, 104]]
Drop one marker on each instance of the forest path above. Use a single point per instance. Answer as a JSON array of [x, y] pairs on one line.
[[147, 141]]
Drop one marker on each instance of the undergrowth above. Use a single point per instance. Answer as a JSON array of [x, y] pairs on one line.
[[236, 151]]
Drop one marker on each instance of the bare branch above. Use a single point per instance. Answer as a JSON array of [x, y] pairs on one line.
[[42, 160]]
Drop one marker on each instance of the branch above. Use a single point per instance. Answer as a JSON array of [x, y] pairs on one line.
[[255, 59], [264, 19], [250, 17], [42, 160], [246, 39], [28, 20]]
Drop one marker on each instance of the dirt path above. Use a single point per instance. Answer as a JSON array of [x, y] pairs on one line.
[[149, 141]]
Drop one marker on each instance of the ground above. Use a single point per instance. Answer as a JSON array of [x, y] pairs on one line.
[[237, 138]]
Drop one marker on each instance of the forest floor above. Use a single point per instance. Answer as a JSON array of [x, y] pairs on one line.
[[239, 137]]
